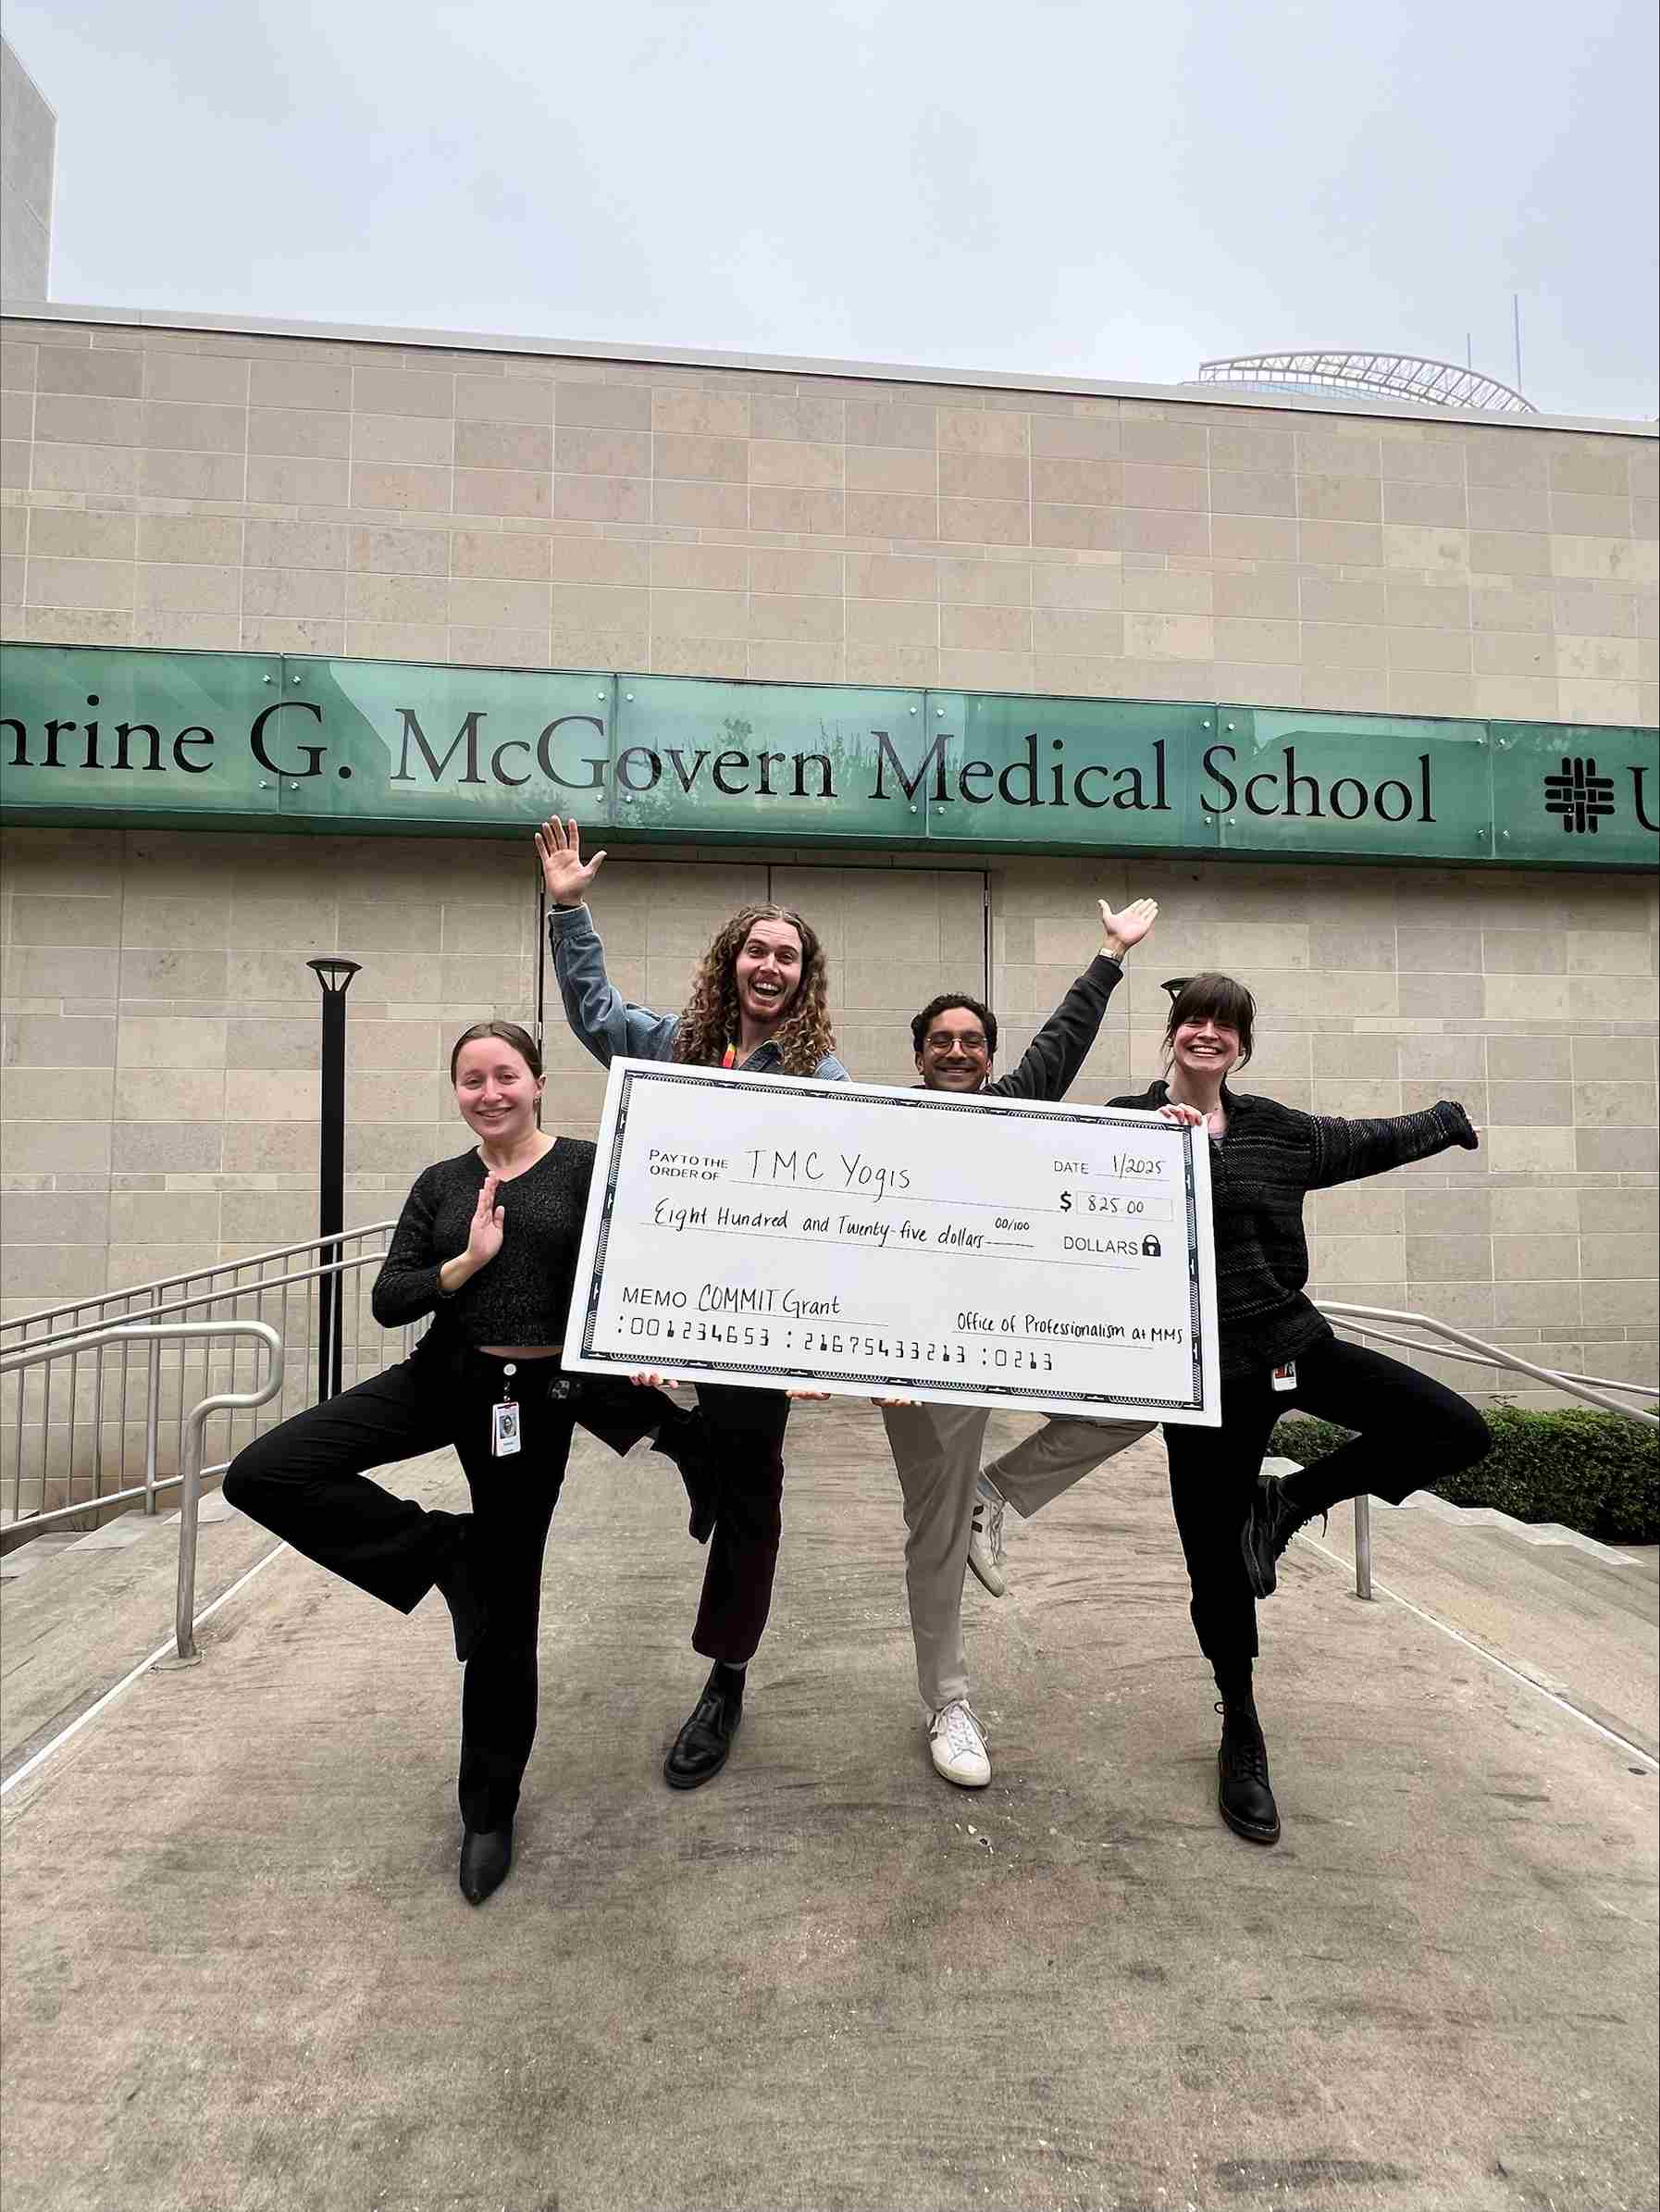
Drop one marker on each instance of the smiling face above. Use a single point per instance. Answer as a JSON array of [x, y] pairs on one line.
[[956, 1053], [495, 1090], [1204, 1047], [768, 972]]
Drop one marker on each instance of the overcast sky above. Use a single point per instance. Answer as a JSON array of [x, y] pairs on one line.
[[1050, 186]]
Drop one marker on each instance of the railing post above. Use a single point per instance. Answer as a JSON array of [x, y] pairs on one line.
[[335, 974], [1363, 1546], [185, 1602], [153, 1421]]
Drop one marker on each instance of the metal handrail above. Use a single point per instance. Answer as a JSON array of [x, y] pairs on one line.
[[219, 1401], [1360, 1319], [1488, 1355], [196, 1274], [1448, 1351], [72, 1341], [237, 1291]]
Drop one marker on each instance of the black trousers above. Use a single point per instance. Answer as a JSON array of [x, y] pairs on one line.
[[306, 1481], [1413, 1432], [746, 1439]]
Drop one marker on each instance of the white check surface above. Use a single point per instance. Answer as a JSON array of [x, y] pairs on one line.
[[766, 1231]]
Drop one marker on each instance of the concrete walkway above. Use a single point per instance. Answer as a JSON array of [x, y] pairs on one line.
[[237, 1974]]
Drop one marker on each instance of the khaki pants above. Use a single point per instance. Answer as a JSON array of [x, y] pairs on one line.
[[936, 1455]]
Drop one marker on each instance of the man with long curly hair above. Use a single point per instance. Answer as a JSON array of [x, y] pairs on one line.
[[760, 1001]]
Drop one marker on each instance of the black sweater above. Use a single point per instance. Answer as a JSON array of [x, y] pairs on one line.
[[1260, 1171], [1050, 1063], [523, 1296]]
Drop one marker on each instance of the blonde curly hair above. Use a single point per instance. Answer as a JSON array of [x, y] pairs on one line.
[[710, 1021]]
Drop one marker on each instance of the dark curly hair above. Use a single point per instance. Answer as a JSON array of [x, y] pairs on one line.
[[711, 1020]]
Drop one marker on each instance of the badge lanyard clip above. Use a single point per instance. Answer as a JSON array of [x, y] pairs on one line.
[[504, 1417]]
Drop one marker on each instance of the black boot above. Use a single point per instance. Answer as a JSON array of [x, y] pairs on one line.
[[684, 1438], [486, 1855], [457, 1582], [699, 1751], [1270, 1524], [1243, 1795]]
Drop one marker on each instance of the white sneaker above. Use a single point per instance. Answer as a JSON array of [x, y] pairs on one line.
[[957, 1746], [985, 1537]]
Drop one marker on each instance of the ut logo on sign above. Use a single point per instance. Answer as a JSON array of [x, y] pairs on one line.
[[1579, 795]]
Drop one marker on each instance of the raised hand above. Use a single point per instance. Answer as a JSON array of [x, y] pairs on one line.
[[565, 875], [1122, 930], [487, 1227]]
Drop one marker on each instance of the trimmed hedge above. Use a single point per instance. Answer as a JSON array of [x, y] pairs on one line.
[[1597, 1472]]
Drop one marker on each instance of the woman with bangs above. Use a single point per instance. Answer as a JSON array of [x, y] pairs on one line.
[[759, 1000], [1279, 1354]]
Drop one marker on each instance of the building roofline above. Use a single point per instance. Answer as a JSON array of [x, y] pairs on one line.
[[870, 372], [34, 85]]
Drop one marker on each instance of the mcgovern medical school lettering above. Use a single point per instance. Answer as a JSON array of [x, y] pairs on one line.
[[280, 742]]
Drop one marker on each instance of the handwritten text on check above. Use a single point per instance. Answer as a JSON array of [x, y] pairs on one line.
[[764, 1231]]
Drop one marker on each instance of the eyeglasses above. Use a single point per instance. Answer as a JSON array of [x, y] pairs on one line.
[[941, 1041]]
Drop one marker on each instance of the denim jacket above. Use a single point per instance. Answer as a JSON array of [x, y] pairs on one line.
[[605, 1021]]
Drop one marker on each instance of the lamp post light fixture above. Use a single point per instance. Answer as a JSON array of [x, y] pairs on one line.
[[335, 974]]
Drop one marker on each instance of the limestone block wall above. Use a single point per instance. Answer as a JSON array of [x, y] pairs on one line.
[[160, 1085], [368, 496], [1528, 997]]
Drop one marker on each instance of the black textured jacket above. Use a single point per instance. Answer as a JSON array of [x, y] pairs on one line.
[[1260, 1171]]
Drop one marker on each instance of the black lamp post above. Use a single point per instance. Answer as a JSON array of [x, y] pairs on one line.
[[335, 975]]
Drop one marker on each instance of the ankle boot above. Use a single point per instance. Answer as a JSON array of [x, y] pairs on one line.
[[486, 1855], [1271, 1523], [1243, 1795]]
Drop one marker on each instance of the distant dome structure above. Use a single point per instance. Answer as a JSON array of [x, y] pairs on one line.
[[1340, 368]]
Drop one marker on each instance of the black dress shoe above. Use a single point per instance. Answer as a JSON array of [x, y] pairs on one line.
[[457, 1584], [700, 1749], [486, 1855], [1243, 1795], [1270, 1524], [684, 1438]]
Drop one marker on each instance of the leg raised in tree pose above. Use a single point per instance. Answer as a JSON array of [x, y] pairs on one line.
[[1278, 1353], [760, 1001], [953, 1514], [485, 1245]]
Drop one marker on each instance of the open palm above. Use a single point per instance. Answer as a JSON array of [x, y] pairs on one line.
[[1132, 924], [566, 874]]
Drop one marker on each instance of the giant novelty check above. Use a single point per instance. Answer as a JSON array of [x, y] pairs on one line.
[[766, 1231]]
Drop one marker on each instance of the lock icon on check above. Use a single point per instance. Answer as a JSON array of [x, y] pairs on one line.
[[1150, 1247]]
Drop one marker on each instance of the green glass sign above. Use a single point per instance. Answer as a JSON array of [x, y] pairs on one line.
[[142, 736], [1358, 787], [1566, 794], [762, 761], [242, 740]]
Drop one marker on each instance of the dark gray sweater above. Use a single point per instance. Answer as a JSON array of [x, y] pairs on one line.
[[523, 1296], [1272, 1157]]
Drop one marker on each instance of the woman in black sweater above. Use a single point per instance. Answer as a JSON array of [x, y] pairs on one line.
[[1278, 1354], [487, 1243]]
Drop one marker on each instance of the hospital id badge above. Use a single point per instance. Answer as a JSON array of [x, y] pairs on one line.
[[503, 1429], [1283, 1378]]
